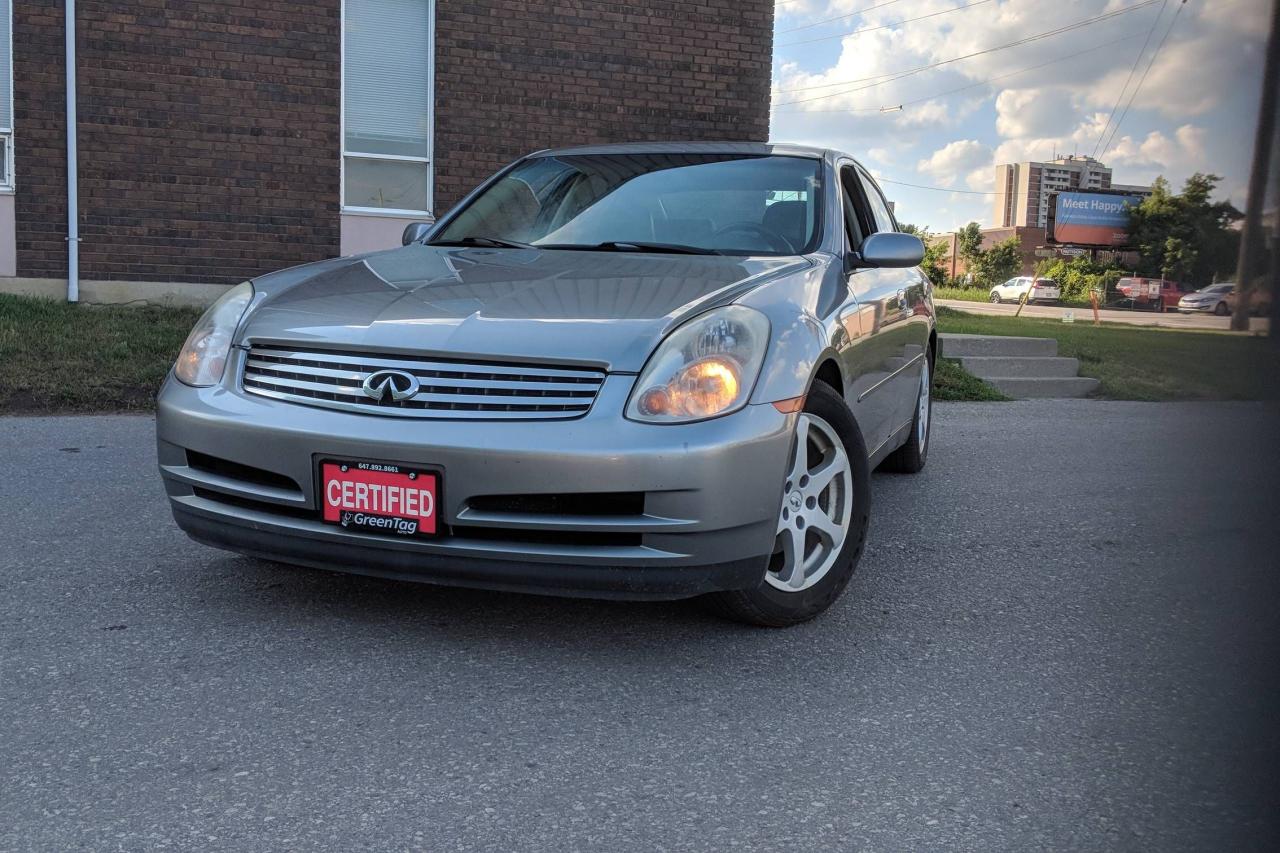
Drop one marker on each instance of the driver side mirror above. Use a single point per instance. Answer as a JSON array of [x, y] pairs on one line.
[[415, 231], [891, 249]]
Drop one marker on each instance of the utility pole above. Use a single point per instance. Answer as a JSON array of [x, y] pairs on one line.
[[1252, 237]]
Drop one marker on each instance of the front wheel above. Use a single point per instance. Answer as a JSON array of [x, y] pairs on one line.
[[1221, 309], [822, 521], [995, 298]]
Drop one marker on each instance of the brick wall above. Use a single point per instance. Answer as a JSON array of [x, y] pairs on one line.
[[208, 137], [513, 76], [209, 129]]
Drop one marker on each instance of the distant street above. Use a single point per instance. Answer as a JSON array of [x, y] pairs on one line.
[[1085, 315], [1064, 641]]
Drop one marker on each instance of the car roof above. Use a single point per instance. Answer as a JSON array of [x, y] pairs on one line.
[[786, 149]]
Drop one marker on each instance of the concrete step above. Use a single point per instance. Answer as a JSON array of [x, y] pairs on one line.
[[1020, 365], [956, 345], [1024, 387]]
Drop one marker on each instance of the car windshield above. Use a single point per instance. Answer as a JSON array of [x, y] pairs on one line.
[[705, 203]]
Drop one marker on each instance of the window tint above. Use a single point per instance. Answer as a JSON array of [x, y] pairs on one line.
[[857, 222], [735, 204], [879, 207]]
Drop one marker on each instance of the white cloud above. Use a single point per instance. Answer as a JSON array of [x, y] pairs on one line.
[[947, 163], [1033, 112], [1176, 156]]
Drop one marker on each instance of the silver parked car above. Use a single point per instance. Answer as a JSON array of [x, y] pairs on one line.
[[632, 371], [1211, 299]]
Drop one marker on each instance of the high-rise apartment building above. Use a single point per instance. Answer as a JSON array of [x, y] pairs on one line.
[[1022, 190]]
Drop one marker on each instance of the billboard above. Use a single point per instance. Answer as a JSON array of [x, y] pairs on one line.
[[1090, 218]]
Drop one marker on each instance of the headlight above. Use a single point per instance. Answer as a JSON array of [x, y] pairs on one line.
[[705, 368], [204, 355]]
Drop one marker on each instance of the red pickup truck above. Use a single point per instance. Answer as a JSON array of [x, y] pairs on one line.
[[1155, 294]]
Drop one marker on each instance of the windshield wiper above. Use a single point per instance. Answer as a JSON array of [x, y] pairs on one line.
[[490, 242], [632, 246]]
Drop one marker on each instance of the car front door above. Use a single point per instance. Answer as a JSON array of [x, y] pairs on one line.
[[886, 359]]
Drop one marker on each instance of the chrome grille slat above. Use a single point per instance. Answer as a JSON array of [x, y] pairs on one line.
[[452, 390], [415, 364], [285, 370]]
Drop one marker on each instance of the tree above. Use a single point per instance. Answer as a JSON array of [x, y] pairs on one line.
[[1185, 237], [969, 242], [992, 266], [935, 250]]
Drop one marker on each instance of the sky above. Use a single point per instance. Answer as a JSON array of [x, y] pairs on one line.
[[838, 83]]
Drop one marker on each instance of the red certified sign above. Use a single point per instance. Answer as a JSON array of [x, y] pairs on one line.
[[374, 497]]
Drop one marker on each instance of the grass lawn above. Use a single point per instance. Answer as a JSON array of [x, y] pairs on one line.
[[953, 383], [56, 357], [1142, 363]]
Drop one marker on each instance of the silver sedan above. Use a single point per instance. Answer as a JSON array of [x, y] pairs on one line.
[[633, 371], [1211, 299]]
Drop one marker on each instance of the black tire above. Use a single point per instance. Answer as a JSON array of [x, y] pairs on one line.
[[768, 607], [911, 456], [1221, 309], [995, 299]]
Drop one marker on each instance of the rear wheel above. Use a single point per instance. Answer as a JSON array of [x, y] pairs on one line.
[[822, 522]]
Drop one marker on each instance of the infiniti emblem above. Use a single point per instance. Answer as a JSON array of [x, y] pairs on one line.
[[395, 384]]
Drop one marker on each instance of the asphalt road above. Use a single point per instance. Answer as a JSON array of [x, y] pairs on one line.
[[1059, 638], [1171, 319]]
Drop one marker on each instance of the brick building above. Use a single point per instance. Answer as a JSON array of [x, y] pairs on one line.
[[220, 139]]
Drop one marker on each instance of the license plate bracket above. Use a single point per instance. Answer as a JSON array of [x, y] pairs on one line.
[[387, 498]]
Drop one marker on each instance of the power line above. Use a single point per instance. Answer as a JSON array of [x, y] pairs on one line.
[[1137, 60], [891, 76], [1143, 78], [839, 17], [1036, 67], [883, 26], [937, 189]]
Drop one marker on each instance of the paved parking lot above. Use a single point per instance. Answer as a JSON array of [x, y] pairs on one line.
[[1062, 636]]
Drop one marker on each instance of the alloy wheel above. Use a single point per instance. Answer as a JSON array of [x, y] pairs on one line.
[[817, 504]]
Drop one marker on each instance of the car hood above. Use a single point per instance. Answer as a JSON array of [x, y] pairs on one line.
[[605, 309]]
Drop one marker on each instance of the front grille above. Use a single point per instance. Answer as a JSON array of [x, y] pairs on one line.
[[456, 390]]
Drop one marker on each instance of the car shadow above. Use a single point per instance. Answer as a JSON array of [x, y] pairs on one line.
[[260, 591]]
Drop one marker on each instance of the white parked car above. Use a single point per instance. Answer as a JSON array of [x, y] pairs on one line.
[[1212, 298], [1040, 290]]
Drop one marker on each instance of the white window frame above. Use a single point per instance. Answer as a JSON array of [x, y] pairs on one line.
[[431, 127], [7, 182]]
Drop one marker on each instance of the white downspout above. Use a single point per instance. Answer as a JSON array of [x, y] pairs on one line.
[[73, 183]]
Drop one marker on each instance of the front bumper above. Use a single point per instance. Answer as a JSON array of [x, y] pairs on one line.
[[1206, 308], [698, 513]]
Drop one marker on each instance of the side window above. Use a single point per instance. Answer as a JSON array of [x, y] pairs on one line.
[[857, 223], [879, 207]]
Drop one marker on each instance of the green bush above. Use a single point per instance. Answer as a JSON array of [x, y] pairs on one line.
[[1078, 276]]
